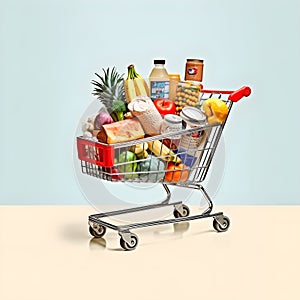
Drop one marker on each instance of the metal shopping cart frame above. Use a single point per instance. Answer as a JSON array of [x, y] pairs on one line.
[[97, 160]]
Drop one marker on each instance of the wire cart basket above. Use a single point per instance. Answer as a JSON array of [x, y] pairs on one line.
[[196, 150]]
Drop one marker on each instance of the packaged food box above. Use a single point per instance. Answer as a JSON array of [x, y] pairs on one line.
[[187, 94]]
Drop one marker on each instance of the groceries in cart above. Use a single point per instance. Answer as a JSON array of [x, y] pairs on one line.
[[166, 131], [140, 134]]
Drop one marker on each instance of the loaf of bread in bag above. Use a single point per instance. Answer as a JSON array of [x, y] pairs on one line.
[[121, 131]]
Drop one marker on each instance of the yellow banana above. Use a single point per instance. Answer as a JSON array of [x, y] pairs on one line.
[[163, 152], [142, 155], [135, 85], [129, 89], [139, 148], [141, 86]]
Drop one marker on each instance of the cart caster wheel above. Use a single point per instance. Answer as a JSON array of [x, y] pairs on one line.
[[225, 222], [185, 212], [98, 231], [129, 246]]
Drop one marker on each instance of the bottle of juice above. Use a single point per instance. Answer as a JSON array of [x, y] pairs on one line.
[[159, 80], [174, 79]]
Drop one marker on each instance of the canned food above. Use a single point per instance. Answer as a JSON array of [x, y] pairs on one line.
[[191, 118], [194, 69], [172, 123]]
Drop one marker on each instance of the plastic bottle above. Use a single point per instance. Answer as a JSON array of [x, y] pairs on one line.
[[159, 80]]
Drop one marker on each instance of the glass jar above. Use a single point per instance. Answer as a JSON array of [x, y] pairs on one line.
[[172, 123], [194, 69]]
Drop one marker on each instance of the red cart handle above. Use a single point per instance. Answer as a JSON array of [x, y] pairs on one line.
[[234, 96], [244, 91]]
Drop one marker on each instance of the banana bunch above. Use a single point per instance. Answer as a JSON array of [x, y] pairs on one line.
[[163, 152], [135, 85], [140, 150]]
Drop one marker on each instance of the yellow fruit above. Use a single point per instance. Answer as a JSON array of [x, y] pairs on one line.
[[215, 109], [134, 85], [139, 148], [129, 89], [141, 87], [163, 152]]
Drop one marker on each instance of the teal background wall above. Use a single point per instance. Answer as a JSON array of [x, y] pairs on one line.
[[49, 51]]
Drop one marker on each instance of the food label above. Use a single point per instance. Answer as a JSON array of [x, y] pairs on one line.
[[169, 126], [159, 89], [192, 71]]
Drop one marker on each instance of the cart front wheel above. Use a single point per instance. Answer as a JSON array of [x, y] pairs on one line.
[[222, 224], [132, 244], [98, 231], [185, 212]]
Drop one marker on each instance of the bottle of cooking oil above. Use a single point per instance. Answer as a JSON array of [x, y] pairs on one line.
[[159, 80]]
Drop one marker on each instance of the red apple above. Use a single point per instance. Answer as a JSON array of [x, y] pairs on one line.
[[165, 106]]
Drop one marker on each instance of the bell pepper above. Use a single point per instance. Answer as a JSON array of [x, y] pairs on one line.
[[127, 156], [177, 172]]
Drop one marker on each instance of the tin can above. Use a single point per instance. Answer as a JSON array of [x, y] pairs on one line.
[[172, 123], [193, 117], [194, 69], [189, 151]]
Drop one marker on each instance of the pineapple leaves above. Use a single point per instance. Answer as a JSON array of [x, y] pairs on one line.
[[109, 87]]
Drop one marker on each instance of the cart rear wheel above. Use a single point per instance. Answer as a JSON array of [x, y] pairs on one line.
[[185, 212], [97, 232], [223, 225], [133, 242]]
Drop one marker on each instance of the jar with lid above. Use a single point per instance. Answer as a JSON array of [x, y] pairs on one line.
[[194, 69], [159, 80], [172, 123], [174, 79]]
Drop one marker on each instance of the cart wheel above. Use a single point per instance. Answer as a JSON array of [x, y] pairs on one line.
[[133, 242], [97, 232], [185, 212], [223, 226]]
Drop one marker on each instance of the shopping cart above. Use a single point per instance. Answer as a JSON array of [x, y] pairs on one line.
[[196, 150]]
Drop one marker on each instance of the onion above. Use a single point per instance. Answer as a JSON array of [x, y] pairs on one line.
[[101, 119]]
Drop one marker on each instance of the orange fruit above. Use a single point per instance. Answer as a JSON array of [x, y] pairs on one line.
[[176, 172]]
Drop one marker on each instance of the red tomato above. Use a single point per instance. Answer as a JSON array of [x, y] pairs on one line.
[[165, 106], [176, 173]]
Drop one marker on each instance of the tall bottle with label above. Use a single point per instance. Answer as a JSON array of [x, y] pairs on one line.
[[159, 80]]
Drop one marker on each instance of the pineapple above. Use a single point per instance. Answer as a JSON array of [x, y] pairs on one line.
[[110, 92]]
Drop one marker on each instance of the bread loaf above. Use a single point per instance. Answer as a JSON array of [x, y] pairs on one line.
[[144, 109], [122, 131]]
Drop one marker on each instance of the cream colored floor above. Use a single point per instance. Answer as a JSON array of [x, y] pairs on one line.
[[47, 253]]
